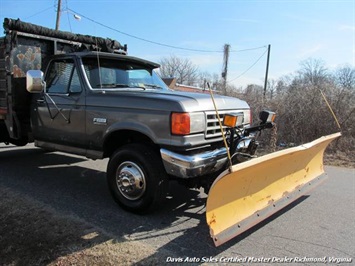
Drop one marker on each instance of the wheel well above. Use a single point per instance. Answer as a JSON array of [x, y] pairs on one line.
[[122, 137]]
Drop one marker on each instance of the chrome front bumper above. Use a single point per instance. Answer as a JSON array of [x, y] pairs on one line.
[[188, 166]]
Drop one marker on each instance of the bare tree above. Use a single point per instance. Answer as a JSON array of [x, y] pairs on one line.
[[271, 88], [183, 70], [344, 98], [313, 71], [345, 77], [303, 115], [213, 80]]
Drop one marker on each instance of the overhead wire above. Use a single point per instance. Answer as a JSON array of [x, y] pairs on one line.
[[159, 43], [66, 3], [257, 60], [144, 39], [40, 12], [163, 44], [248, 49], [177, 47]]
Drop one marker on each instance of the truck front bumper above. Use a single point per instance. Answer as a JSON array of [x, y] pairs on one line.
[[189, 166]]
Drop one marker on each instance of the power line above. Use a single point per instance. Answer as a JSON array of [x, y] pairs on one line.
[[39, 12], [143, 39], [159, 43], [249, 67], [248, 49], [66, 3]]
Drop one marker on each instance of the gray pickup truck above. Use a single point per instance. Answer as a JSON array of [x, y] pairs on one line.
[[96, 101]]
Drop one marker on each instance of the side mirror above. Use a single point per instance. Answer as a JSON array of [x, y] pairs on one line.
[[34, 81]]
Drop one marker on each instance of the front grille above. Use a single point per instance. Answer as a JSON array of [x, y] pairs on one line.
[[213, 129]]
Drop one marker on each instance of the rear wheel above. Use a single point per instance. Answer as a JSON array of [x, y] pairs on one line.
[[19, 142], [136, 178]]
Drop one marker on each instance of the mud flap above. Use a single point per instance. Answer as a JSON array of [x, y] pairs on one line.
[[252, 191]]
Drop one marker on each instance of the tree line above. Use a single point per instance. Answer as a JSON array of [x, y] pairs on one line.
[[300, 99]]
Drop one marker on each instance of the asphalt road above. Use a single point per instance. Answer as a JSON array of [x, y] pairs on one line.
[[318, 225]]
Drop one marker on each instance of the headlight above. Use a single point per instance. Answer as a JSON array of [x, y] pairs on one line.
[[187, 123]]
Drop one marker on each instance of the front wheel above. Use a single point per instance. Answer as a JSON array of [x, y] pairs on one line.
[[136, 178]]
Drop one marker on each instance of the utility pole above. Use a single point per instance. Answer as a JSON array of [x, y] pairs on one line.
[[267, 70], [225, 67], [58, 14]]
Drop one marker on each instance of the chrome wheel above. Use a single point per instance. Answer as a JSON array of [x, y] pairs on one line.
[[130, 180], [136, 178]]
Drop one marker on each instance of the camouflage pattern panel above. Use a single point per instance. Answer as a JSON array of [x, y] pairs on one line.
[[24, 58]]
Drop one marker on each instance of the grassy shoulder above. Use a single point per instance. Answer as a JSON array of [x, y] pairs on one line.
[[340, 158], [33, 234]]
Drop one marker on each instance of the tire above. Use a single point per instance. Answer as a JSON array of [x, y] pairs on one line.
[[136, 178], [19, 142]]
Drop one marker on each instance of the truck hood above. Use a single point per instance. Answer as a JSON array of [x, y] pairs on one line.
[[202, 101], [165, 100]]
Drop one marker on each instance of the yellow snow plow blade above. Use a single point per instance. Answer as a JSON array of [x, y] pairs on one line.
[[256, 189]]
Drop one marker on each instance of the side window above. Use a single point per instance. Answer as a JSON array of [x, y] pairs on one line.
[[139, 76], [75, 82], [62, 77], [107, 75]]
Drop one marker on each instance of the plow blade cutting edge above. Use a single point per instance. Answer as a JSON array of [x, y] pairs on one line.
[[252, 191]]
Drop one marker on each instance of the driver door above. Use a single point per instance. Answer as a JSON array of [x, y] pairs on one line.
[[59, 112]]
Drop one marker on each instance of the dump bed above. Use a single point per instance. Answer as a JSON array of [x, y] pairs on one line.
[[24, 47], [3, 102]]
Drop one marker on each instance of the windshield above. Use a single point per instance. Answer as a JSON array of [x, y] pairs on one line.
[[114, 74]]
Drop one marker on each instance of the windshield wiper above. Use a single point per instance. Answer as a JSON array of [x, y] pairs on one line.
[[118, 85], [153, 86]]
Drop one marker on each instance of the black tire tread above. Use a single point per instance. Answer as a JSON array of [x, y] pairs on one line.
[[150, 162]]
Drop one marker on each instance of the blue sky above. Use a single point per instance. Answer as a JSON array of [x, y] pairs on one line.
[[296, 30]]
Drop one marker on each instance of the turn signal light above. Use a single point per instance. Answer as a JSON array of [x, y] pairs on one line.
[[267, 116], [180, 123], [233, 120]]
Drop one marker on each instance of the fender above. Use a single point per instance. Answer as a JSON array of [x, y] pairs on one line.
[[136, 126]]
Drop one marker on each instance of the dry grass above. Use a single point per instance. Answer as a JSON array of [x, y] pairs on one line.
[[342, 156], [339, 158], [33, 234]]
